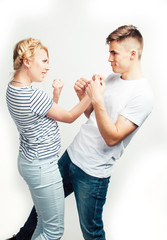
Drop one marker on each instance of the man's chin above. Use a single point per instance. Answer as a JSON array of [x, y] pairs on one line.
[[115, 70]]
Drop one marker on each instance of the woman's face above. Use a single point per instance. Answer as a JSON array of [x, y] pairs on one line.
[[39, 66]]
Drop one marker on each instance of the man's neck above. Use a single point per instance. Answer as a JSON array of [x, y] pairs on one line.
[[133, 74]]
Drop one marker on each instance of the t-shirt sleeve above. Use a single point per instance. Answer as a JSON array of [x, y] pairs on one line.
[[138, 109], [40, 102]]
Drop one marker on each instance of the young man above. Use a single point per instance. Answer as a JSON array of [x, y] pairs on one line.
[[114, 116]]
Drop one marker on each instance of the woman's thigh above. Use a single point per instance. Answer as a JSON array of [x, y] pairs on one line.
[[45, 184]]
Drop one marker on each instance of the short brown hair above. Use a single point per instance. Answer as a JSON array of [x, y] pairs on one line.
[[124, 32]]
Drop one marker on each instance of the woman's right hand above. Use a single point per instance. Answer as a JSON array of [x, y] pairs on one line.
[[57, 88]]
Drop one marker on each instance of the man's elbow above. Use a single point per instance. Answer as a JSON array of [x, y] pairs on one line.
[[112, 142]]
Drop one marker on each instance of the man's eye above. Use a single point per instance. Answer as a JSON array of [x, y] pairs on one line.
[[113, 53]]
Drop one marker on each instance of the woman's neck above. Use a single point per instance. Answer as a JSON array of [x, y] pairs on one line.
[[21, 79]]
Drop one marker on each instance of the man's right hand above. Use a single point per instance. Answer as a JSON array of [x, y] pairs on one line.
[[98, 76]]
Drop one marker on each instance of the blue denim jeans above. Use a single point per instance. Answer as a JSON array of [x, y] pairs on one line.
[[90, 194], [46, 187]]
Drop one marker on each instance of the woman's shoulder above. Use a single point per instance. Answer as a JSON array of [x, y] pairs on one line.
[[38, 92]]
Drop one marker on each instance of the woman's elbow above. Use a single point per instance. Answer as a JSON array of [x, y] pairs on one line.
[[70, 119]]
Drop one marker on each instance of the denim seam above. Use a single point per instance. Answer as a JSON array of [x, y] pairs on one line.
[[106, 187], [96, 207]]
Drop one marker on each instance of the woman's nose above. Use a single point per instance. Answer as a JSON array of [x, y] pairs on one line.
[[47, 67]]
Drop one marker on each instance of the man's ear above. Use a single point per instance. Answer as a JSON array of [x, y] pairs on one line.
[[26, 62], [133, 54]]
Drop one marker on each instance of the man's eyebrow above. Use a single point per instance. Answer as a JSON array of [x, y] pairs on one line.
[[113, 51]]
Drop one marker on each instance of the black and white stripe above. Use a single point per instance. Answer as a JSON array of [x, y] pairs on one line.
[[38, 134]]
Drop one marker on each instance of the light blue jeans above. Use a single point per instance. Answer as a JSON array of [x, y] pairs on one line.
[[46, 187]]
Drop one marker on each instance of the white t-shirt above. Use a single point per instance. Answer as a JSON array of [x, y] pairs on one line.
[[131, 98]]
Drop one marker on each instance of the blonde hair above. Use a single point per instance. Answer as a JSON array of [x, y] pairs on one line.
[[26, 49]]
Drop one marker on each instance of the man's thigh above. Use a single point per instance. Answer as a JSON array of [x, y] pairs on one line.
[[90, 193], [64, 164]]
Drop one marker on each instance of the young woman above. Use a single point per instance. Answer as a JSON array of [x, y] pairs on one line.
[[34, 114]]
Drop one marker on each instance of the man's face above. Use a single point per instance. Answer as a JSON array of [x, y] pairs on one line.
[[120, 57]]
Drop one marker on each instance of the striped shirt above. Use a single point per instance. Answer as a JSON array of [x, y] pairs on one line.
[[39, 135]]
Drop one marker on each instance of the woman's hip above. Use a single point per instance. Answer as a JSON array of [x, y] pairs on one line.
[[39, 172]]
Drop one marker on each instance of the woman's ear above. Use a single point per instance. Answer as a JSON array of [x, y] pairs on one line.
[[26, 63]]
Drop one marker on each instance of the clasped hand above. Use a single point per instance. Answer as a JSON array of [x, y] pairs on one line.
[[93, 88]]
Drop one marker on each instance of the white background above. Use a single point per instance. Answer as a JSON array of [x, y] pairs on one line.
[[75, 33]]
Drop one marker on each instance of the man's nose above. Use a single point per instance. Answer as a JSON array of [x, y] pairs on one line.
[[110, 59]]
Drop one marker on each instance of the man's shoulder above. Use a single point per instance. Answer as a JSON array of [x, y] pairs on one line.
[[144, 88]]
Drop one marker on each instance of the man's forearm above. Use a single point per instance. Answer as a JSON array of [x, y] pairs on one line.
[[106, 127], [111, 132]]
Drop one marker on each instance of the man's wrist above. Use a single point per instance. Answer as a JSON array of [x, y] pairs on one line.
[[99, 107], [98, 101]]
